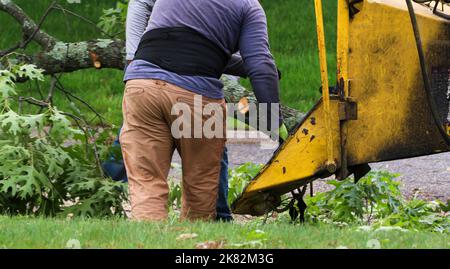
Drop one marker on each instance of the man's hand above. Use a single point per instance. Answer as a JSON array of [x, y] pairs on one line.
[[282, 133]]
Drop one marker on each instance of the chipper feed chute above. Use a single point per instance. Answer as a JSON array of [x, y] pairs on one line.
[[382, 107]]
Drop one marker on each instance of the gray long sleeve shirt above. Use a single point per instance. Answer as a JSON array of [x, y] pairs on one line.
[[234, 25]]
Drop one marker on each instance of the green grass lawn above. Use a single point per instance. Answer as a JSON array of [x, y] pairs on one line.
[[22, 232], [292, 37]]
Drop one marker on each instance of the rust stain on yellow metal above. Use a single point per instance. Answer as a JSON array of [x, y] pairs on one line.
[[304, 154], [378, 68]]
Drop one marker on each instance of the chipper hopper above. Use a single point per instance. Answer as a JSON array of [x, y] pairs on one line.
[[391, 100]]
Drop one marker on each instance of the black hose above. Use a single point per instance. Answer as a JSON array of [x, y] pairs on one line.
[[435, 11], [438, 13], [425, 77]]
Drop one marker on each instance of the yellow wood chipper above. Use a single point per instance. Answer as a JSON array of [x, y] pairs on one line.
[[391, 100]]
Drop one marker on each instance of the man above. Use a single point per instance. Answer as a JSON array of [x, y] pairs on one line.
[[186, 47], [137, 20]]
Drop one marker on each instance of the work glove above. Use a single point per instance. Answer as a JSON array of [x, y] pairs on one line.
[[281, 132]]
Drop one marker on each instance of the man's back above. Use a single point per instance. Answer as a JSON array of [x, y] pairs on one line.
[[232, 25], [217, 20]]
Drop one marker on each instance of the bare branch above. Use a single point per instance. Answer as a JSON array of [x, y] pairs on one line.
[[30, 29], [70, 95], [88, 21], [34, 101]]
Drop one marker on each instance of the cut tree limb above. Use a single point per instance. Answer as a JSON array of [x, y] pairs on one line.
[[69, 57], [234, 92]]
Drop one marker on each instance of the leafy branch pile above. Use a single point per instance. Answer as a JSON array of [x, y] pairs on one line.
[[47, 167], [376, 200]]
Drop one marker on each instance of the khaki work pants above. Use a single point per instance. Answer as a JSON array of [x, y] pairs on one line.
[[148, 145]]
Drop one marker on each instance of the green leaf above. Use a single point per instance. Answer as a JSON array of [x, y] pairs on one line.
[[85, 208], [33, 182], [6, 74], [25, 181], [30, 71], [10, 122], [33, 122], [87, 185], [62, 127], [7, 87]]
